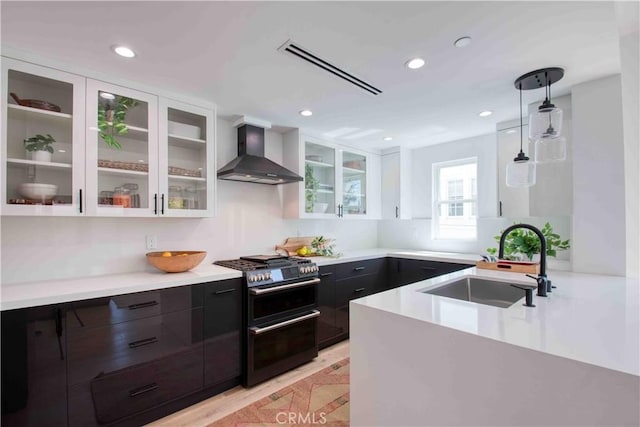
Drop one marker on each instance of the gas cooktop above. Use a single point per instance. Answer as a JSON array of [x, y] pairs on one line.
[[255, 262]]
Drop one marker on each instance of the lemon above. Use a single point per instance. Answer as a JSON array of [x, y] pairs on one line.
[[303, 251], [166, 254]]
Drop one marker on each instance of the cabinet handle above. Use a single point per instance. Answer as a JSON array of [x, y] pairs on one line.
[[162, 204], [226, 291], [341, 211], [500, 205], [81, 200], [358, 290], [397, 212], [429, 268], [145, 341], [59, 331], [144, 389], [325, 274], [358, 268], [142, 305], [155, 204]]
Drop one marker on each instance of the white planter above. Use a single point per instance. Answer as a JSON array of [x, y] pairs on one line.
[[41, 156]]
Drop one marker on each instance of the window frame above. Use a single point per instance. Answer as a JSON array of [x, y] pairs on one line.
[[437, 200]]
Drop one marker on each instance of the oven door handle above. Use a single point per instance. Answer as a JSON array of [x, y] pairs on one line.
[[257, 331], [283, 287]]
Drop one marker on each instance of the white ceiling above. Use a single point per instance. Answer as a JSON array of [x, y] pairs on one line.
[[226, 52]]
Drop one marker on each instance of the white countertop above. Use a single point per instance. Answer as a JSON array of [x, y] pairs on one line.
[[30, 294], [588, 318]]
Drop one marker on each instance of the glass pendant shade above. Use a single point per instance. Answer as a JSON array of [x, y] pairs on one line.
[[521, 173], [545, 123], [551, 150]]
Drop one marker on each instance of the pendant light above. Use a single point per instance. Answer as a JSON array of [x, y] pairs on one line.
[[545, 125], [522, 172]]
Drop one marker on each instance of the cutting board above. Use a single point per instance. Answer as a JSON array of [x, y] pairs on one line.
[[510, 266], [292, 244]]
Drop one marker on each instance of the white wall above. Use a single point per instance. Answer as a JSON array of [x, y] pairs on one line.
[[629, 61], [249, 221], [599, 179]]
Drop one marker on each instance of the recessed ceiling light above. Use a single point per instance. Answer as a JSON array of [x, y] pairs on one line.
[[107, 95], [123, 51], [462, 42], [387, 138], [414, 63], [485, 113], [306, 113]]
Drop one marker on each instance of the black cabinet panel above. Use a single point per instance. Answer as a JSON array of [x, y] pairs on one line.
[[96, 351], [327, 329], [113, 396], [122, 308], [222, 324], [34, 385], [360, 268], [406, 271]]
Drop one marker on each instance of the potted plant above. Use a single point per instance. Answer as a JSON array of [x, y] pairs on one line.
[[111, 116], [311, 185], [40, 147], [522, 243]]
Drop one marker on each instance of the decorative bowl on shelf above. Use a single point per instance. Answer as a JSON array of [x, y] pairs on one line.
[[36, 191], [175, 261]]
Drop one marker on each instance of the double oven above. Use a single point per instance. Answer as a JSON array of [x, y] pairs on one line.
[[280, 319]]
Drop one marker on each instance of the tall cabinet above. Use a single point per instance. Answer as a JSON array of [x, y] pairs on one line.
[[339, 181], [72, 145]]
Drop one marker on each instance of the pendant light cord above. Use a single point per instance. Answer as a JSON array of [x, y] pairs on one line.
[[520, 87]]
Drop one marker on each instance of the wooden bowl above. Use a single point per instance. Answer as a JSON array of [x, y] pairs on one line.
[[178, 262]]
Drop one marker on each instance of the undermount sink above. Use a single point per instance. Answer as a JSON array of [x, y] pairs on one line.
[[478, 290]]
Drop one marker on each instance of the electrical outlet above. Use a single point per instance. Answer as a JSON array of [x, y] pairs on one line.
[[152, 242]]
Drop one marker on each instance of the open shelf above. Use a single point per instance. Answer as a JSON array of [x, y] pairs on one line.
[[318, 164], [321, 191], [178, 138], [351, 171], [23, 112], [187, 178], [118, 172], [44, 165]]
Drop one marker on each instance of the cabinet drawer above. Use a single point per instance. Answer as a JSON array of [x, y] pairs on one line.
[[360, 268], [357, 287], [122, 308], [128, 391], [92, 351]]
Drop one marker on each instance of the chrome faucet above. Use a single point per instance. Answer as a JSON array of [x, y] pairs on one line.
[[544, 285]]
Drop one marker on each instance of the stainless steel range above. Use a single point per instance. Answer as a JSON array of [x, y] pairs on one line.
[[281, 312]]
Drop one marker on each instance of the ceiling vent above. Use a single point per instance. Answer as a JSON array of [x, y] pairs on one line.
[[296, 50]]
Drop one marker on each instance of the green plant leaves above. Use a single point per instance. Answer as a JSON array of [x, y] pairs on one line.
[[525, 242], [119, 107], [39, 143]]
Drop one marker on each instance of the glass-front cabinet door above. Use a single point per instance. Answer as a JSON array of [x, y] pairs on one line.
[[354, 184], [187, 160], [42, 140], [320, 179], [122, 151]]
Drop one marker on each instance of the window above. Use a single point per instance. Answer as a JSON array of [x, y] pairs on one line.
[[455, 199]]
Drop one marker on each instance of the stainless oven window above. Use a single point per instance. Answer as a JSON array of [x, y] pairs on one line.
[[280, 344], [283, 301]]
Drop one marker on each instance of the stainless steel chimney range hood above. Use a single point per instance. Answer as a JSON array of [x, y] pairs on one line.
[[251, 165]]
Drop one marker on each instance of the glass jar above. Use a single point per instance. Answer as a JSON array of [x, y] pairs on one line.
[[190, 198], [122, 197], [176, 200], [135, 197], [106, 198]]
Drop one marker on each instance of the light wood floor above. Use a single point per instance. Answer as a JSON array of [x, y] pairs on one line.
[[221, 405]]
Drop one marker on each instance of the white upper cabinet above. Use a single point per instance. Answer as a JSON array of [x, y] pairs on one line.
[[187, 159], [122, 151], [339, 182], [396, 184], [94, 148], [42, 157]]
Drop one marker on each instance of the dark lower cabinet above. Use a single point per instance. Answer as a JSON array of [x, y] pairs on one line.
[[340, 284], [405, 271], [222, 338], [34, 377]]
